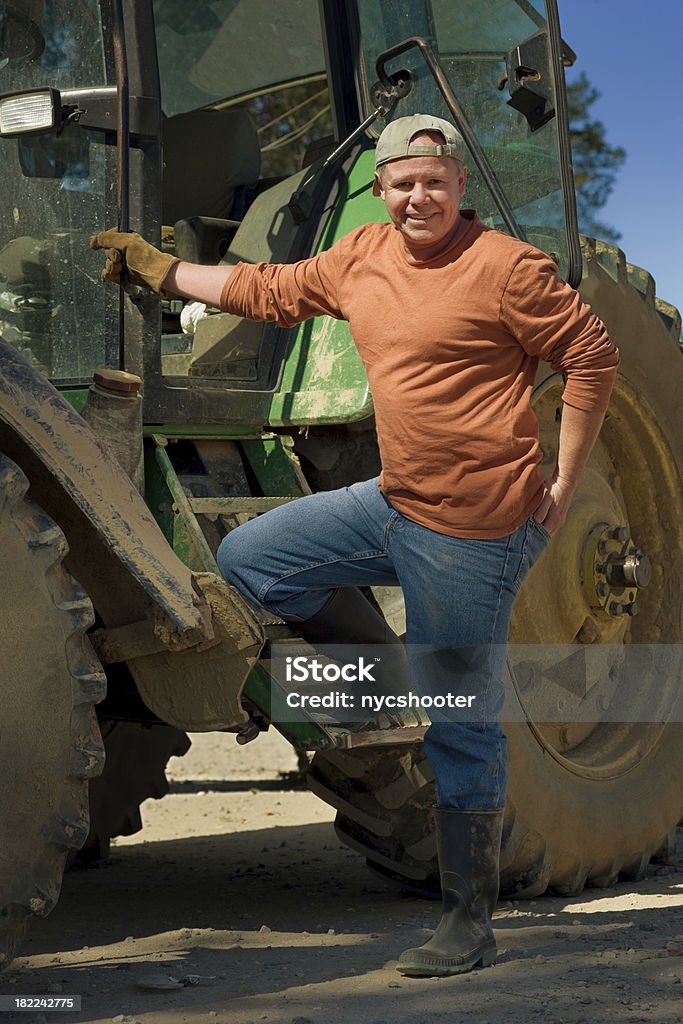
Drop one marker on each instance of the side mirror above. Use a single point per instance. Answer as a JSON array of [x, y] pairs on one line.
[[529, 80]]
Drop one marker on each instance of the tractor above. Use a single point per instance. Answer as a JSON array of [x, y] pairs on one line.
[[135, 431]]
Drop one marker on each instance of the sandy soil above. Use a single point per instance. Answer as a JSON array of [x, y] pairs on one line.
[[241, 880]]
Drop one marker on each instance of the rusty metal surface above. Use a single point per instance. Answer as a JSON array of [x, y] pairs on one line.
[[199, 689]]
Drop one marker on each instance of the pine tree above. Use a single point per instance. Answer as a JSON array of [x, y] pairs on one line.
[[596, 162]]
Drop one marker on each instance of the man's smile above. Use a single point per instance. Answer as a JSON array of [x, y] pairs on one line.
[[422, 196]]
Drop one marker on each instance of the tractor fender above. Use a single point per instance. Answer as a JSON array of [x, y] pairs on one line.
[[123, 560], [78, 468]]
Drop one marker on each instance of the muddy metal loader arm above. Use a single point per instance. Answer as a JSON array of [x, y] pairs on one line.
[[188, 639]]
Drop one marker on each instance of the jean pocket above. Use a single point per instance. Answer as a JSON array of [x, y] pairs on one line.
[[536, 539], [541, 528]]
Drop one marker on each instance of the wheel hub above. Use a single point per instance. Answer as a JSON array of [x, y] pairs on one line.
[[615, 570]]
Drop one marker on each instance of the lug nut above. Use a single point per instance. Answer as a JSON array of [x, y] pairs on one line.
[[631, 609], [616, 608], [619, 533]]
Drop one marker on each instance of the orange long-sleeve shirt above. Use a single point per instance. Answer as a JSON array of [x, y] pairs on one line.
[[450, 346]]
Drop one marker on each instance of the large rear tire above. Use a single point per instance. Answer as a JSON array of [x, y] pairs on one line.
[[592, 802], [50, 744]]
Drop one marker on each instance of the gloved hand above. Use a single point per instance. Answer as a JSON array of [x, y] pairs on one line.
[[144, 263]]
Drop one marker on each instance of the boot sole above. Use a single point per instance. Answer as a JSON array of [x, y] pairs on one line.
[[444, 970]]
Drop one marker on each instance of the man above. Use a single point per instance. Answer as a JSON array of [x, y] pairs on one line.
[[450, 319]]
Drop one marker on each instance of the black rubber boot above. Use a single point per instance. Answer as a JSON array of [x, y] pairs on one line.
[[349, 618], [468, 844]]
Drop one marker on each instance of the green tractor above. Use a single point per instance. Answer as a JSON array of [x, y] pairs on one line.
[[134, 432]]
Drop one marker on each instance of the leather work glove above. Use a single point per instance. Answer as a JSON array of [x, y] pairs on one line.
[[145, 264]]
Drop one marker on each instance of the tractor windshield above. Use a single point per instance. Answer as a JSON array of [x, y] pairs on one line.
[[57, 190], [267, 59], [471, 40]]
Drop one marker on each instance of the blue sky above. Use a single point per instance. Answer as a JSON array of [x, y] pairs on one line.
[[631, 52]]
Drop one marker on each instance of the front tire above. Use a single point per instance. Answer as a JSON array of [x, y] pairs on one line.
[[50, 744]]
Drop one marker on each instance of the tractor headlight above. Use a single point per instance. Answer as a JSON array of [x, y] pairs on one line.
[[28, 113]]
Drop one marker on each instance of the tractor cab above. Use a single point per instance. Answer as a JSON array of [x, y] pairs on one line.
[[245, 131]]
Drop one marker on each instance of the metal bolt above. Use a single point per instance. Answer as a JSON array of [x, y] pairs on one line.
[[247, 732], [602, 589], [616, 608], [631, 609], [619, 533]]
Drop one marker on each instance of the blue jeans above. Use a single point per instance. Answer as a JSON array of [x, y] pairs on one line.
[[291, 560]]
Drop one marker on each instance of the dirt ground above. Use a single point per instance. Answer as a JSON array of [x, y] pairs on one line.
[[240, 880]]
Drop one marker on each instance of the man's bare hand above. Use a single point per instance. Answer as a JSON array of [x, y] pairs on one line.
[[146, 265], [552, 512], [579, 429]]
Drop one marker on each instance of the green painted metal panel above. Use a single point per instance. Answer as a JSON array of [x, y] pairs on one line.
[[157, 495], [275, 465], [204, 431], [75, 397], [323, 377], [355, 205], [179, 521], [303, 735]]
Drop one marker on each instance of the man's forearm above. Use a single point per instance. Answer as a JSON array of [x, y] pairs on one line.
[[203, 283], [579, 430]]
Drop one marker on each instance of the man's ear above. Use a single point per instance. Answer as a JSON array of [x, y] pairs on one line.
[[376, 186]]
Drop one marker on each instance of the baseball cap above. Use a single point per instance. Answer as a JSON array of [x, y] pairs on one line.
[[394, 142]]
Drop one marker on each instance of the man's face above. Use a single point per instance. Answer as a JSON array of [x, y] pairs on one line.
[[422, 195]]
